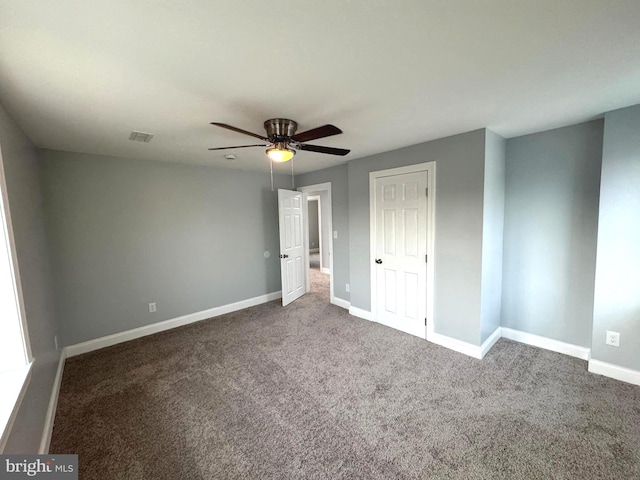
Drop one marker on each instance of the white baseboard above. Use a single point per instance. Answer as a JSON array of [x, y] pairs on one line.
[[109, 340], [475, 351], [326, 270], [314, 250], [456, 345], [595, 366], [490, 342], [360, 313], [614, 371], [577, 351], [341, 302], [53, 403]]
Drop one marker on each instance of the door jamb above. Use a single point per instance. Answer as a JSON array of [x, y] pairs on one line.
[[320, 187], [317, 198], [430, 168]]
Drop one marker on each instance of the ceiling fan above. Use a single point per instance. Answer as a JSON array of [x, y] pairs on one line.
[[283, 141]]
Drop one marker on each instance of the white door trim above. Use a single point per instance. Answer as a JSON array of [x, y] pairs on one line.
[[430, 168], [320, 187]]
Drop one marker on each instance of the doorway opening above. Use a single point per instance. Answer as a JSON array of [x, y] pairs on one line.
[[319, 240], [318, 273]]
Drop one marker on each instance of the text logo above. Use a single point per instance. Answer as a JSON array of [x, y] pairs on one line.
[[51, 467]]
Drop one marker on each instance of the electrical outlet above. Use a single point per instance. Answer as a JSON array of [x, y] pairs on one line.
[[335, 234], [152, 307], [347, 287], [613, 338]]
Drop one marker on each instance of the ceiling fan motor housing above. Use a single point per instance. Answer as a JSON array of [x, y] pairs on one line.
[[280, 129]]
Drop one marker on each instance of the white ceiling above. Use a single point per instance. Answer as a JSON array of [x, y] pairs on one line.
[[81, 75]]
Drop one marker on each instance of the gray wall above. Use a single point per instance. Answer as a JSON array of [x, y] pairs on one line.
[[551, 221], [492, 233], [458, 243], [20, 159], [314, 238], [617, 290], [337, 176], [127, 232]]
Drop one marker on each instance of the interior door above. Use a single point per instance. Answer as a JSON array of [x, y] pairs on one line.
[[292, 264], [400, 252]]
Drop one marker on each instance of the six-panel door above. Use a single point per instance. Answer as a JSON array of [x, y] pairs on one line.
[[400, 253], [292, 265]]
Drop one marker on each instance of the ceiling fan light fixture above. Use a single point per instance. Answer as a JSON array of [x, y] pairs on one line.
[[280, 153]]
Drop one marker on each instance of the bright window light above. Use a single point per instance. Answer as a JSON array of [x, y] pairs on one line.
[[15, 355]]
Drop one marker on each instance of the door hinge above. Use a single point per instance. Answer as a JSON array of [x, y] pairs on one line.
[[425, 321], [426, 259], [426, 191]]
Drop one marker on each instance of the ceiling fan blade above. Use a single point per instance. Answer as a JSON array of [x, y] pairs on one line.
[[319, 149], [240, 146], [239, 130], [315, 133]]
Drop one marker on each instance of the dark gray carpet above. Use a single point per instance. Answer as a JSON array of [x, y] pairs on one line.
[[311, 392]]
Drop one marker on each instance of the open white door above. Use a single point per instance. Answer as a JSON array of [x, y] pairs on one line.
[[292, 264]]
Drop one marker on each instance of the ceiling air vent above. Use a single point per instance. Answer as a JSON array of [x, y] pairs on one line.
[[141, 137]]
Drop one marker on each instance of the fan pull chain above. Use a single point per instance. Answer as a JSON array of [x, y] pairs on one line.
[[271, 168], [293, 187]]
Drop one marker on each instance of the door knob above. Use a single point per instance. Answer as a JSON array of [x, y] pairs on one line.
[[284, 256], [378, 261]]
